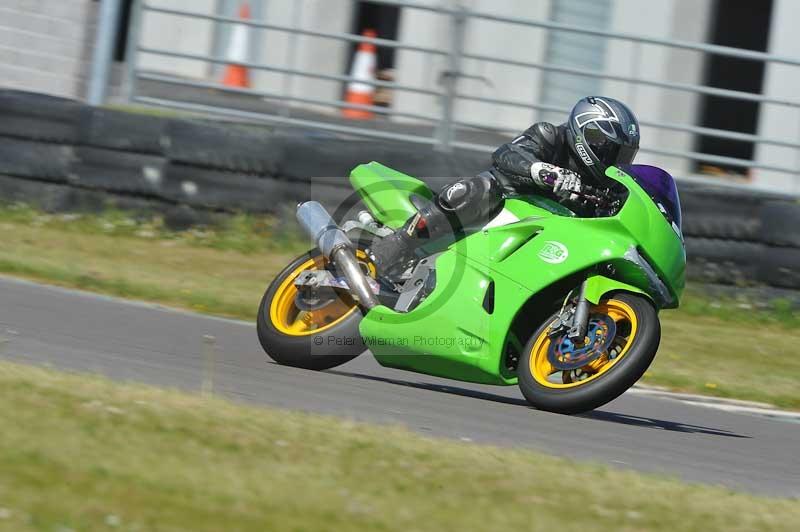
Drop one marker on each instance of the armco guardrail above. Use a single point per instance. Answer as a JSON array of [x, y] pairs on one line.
[[61, 155]]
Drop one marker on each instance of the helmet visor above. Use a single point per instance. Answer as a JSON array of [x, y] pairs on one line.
[[608, 149], [626, 155]]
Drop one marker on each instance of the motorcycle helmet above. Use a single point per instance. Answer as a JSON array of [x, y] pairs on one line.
[[602, 132]]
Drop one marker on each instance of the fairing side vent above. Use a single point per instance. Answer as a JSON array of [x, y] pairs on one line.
[[512, 246], [488, 299]]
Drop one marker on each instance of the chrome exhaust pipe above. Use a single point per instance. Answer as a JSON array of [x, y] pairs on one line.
[[336, 247]]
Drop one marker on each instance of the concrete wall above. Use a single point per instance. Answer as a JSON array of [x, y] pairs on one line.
[[667, 19], [578, 51], [178, 34], [513, 42], [483, 37], [778, 121], [680, 19], [690, 21], [307, 53], [273, 48], [45, 45], [417, 69]]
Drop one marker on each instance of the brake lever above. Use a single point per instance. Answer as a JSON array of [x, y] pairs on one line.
[[600, 200], [596, 196]]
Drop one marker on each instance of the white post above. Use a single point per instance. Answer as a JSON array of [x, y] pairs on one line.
[[107, 26]]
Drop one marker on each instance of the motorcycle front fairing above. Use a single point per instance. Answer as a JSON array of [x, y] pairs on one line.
[[455, 334]]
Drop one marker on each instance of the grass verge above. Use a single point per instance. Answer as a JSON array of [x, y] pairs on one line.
[[82, 453], [715, 347]]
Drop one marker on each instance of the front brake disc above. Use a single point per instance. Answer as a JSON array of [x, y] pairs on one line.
[[565, 355], [314, 299]]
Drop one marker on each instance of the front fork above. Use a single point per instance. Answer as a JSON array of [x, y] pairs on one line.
[[591, 291], [580, 320]]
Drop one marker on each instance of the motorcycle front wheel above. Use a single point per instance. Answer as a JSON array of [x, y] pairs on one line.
[[636, 330]]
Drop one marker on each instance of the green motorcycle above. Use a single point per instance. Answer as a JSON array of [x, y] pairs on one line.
[[565, 306]]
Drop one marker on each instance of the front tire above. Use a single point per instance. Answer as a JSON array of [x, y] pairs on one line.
[[317, 339], [638, 333]]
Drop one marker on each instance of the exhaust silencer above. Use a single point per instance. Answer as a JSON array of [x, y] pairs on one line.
[[336, 247]]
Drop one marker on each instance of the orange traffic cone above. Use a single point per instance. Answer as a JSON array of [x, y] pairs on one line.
[[236, 74], [360, 91]]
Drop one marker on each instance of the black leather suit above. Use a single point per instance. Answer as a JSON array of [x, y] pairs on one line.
[[477, 199]]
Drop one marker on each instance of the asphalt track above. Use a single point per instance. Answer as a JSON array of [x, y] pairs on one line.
[[137, 342]]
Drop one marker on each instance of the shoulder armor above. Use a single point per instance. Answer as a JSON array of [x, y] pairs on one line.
[[542, 134], [545, 132]]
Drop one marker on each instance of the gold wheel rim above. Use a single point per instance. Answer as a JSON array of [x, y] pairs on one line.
[[292, 321], [543, 371]]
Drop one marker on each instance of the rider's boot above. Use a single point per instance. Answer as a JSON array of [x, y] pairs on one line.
[[459, 204], [393, 254]]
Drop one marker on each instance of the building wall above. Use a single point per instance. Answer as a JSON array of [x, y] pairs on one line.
[[779, 121], [668, 19], [690, 21], [317, 54], [679, 19], [45, 45], [272, 48], [487, 79], [186, 35], [578, 51], [506, 82], [417, 69]]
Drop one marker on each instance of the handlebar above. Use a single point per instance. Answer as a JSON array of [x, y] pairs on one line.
[[594, 194], [599, 197]]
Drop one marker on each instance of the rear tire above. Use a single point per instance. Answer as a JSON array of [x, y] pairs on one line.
[[605, 385], [287, 340]]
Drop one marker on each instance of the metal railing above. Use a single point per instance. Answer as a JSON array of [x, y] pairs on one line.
[[441, 127]]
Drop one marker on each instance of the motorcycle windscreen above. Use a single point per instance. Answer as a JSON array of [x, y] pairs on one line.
[[661, 188]]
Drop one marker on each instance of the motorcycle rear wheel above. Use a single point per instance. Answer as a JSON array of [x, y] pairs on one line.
[[316, 339], [638, 333]]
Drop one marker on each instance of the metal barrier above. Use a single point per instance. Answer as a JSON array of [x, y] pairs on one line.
[[442, 129]]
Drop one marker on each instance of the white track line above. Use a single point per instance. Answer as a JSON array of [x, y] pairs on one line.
[[719, 403]]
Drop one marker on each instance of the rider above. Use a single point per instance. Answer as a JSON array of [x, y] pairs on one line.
[[599, 133]]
